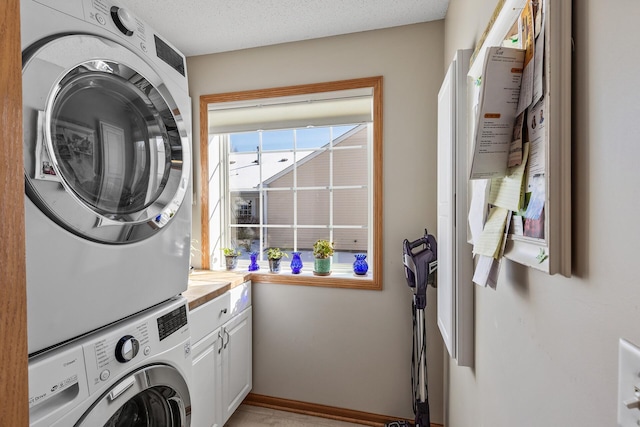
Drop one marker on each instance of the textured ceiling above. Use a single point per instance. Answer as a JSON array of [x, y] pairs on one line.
[[198, 27]]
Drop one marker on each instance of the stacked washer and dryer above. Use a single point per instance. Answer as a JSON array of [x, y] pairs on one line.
[[107, 159]]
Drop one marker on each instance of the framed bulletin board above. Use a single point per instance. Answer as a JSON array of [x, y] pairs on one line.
[[537, 233]]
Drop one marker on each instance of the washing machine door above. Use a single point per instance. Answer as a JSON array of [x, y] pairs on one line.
[[156, 396], [106, 150]]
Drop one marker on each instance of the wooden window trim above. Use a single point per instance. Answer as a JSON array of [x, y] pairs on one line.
[[372, 283]]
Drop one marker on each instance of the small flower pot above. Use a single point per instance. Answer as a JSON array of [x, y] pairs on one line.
[[322, 266], [231, 262], [274, 265]]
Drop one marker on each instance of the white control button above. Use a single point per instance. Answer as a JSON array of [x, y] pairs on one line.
[[104, 375], [100, 19], [146, 350]]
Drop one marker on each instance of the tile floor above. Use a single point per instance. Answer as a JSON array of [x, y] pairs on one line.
[[254, 416]]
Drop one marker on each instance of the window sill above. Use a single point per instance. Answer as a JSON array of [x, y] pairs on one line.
[[334, 280]]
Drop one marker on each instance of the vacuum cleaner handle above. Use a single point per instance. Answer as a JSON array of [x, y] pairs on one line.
[[421, 241], [428, 241]]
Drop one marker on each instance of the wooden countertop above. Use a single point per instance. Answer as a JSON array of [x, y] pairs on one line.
[[205, 285]]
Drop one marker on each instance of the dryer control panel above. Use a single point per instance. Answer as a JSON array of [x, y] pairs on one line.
[[126, 27], [122, 22]]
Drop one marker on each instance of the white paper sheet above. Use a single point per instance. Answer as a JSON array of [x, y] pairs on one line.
[[538, 71], [478, 207], [499, 94], [526, 90], [486, 271]]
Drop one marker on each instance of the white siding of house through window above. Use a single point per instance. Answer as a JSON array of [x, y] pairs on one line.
[[350, 204]]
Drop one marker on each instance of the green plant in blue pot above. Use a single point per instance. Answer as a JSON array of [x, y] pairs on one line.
[[322, 252]]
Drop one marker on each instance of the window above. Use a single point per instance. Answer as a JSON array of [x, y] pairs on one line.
[[288, 166]]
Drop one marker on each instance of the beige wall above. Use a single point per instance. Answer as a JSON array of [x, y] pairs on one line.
[[547, 347], [339, 347]]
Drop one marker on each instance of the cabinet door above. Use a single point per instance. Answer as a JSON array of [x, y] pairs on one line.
[[206, 384], [455, 259], [237, 373]]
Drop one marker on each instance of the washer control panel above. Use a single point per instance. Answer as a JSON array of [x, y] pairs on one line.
[[171, 322], [131, 342], [67, 375]]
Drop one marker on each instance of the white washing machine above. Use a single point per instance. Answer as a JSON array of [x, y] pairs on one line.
[[107, 160], [135, 372]]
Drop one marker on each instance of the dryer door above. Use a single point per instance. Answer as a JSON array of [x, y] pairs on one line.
[[156, 396], [106, 150]]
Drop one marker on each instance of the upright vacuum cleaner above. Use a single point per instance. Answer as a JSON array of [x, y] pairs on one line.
[[420, 259]]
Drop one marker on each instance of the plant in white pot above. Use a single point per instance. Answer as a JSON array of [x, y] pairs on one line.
[[231, 257], [322, 252], [275, 255]]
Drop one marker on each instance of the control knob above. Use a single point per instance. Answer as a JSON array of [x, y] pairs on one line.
[[127, 348], [123, 20]]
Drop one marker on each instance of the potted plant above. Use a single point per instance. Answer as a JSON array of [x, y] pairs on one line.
[[322, 251], [231, 257], [275, 255]]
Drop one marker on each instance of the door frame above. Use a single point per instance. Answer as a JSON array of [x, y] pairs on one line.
[[14, 386]]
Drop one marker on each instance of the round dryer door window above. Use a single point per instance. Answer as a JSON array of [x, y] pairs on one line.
[[106, 149]]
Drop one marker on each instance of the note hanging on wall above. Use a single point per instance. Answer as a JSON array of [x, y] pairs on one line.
[[527, 34], [508, 191], [499, 95], [490, 241]]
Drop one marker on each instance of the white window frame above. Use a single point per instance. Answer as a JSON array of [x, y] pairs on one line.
[[296, 224]]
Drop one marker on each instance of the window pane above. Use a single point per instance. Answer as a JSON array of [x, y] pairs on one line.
[[314, 170], [277, 140], [277, 170], [350, 167], [247, 239], [351, 240], [244, 142], [278, 207], [350, 206], [279, 238], [244, 207], [339, 131], [313, 207], [243, 171], [314, 137]]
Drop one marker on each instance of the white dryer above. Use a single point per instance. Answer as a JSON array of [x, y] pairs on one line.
[[107, 160], [135, 372]]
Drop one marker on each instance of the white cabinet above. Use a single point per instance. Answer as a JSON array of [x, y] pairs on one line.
[[236, 362], [221, 331], [206, 386], [455, 260]]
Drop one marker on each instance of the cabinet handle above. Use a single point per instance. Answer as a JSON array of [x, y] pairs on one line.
[[221, 337], [228, 339]]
